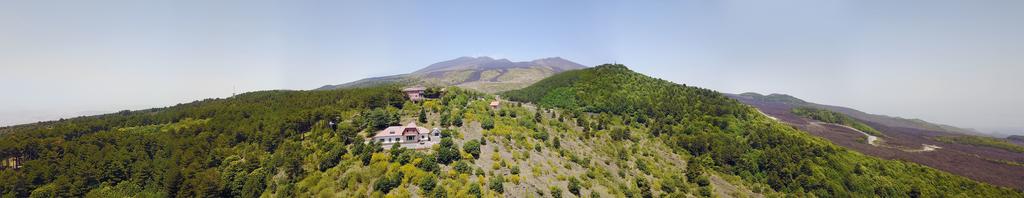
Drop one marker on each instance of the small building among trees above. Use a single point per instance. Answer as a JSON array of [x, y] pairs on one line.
[[414, 93], [11, 162], [495, 104]]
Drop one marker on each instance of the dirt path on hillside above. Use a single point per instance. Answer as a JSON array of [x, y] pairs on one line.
[[872, 140], [765, 114], [875, 141], [924, 148]]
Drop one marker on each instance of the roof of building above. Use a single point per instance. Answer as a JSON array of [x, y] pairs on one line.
[[416, 88], [495, 103], [400, 130]]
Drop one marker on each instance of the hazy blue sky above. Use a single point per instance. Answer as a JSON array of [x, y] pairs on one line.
[[955, 62]]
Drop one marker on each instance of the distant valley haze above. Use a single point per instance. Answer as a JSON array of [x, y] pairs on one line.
[[950, 62]]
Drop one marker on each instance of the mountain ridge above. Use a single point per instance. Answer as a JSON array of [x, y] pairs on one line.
[[881, 119], [481, 73]]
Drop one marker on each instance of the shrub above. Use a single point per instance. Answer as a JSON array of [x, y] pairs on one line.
[[556, 192], [388, 182], [703, 180], [705, 191], [574, 186], [514, 179], [423, 116], [643, 166], [445, 119], [446, 152], [540, 135], [449, 133], [474, 190], [463, 167], [620, 134], [487, 123], [473, 148], [440, 192], [428, 182], [479, 172], [645, 188], [457, 121], [429, 164], [497, 184]]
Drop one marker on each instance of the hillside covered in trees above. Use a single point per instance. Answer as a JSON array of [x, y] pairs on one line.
[[597, 132], [739, 141], [216, 147]]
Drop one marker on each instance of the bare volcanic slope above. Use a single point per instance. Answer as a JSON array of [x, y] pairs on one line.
[[903, 139], [484, 74]]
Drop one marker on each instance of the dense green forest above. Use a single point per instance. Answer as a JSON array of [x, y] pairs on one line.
[[738, 141], [214, 147], [834, 118], [598, 132], [309, 143]]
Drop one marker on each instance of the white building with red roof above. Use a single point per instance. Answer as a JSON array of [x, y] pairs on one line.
[[409, 136]]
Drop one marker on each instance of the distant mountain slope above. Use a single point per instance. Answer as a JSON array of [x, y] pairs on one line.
[[484, 74], [939, 146], [751, 97], [1016, 139]]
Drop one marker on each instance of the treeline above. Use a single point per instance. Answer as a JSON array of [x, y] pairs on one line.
[[735, 139], [982, 141], [834, 118], [267, 143], [235, 147]]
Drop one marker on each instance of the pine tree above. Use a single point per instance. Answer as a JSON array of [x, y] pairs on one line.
[[423, 116]]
